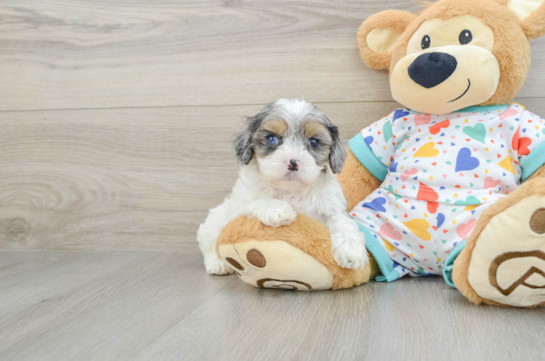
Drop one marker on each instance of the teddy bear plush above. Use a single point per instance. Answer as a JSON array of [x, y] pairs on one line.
[[452, 185]]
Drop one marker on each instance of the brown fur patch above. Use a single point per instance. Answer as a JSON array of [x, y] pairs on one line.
[[460, 275], [356, 181], [313, 129], [277, 126], [306, 234]]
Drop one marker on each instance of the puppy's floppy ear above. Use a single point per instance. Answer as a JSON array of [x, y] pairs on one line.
[[531, 14], [378, 34], [243, 140], [337, 153]]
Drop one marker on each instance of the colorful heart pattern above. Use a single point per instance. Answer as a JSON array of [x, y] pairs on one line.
[[421, 119], [427, 151], [477, 132], [376, 204], [436, 129], [387, 129], [465, 161], [419, 227], [387, 230], [463, 230], [490, 182], [426, 193], [409, 173], [442, 173]]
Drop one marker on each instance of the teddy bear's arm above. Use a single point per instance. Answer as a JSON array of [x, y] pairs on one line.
[[356, 181], [540, 173]]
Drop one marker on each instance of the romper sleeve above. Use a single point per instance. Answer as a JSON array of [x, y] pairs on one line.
[[529, 142], [376, 144]]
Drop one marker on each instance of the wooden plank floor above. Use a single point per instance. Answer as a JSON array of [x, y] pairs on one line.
[[149, 306]]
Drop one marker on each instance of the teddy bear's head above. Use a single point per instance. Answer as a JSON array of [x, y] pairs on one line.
[[455, 53]]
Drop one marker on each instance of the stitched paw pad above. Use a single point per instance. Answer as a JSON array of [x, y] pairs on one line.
[[508, 262], [276, 264]]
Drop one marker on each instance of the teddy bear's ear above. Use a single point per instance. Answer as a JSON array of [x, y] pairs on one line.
[[378, 34], [531, 14]]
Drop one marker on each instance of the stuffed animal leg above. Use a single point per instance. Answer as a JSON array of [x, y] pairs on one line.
[[503, 262], [297, 256]]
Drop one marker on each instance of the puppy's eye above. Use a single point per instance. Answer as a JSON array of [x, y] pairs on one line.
[[313, 143], [426, 42], [465, 37], [272, 139]]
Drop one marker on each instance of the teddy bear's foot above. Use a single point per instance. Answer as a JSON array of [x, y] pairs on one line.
[[276, 264], [297, 256], [503, 262]]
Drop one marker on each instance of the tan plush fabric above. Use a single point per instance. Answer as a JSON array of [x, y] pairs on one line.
[[305, 234], [523, 8], [382, 40], [357, 182], [534, 24], [276, 264], [530, 189], [511, 47], [396, 20]]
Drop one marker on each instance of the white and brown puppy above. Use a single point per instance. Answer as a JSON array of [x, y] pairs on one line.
[[290, 152]]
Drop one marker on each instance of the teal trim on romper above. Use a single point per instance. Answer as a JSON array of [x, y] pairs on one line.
[[448, 266], [482, 108], [367, 158], [383, 260], [474, 109], [532, 162]]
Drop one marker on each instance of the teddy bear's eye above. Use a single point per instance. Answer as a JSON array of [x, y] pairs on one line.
[[426, 42], [465, 37]]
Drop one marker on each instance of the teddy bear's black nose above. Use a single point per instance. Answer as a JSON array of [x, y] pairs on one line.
[[432, 69]]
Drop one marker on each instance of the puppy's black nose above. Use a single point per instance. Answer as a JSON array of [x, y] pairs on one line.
[[293, 165], [432, 69]]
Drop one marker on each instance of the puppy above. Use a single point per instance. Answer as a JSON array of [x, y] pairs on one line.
[[289, 152]]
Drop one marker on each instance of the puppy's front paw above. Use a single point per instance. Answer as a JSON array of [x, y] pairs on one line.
[[216, 266], [278, 215], [349, 252]]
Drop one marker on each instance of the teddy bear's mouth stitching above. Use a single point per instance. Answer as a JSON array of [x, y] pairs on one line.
[[464, 93]]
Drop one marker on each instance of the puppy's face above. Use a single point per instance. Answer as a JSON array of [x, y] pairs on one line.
[[292, 153], [293, 143]]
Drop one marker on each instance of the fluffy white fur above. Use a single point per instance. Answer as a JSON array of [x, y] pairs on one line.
[[267, 190]]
